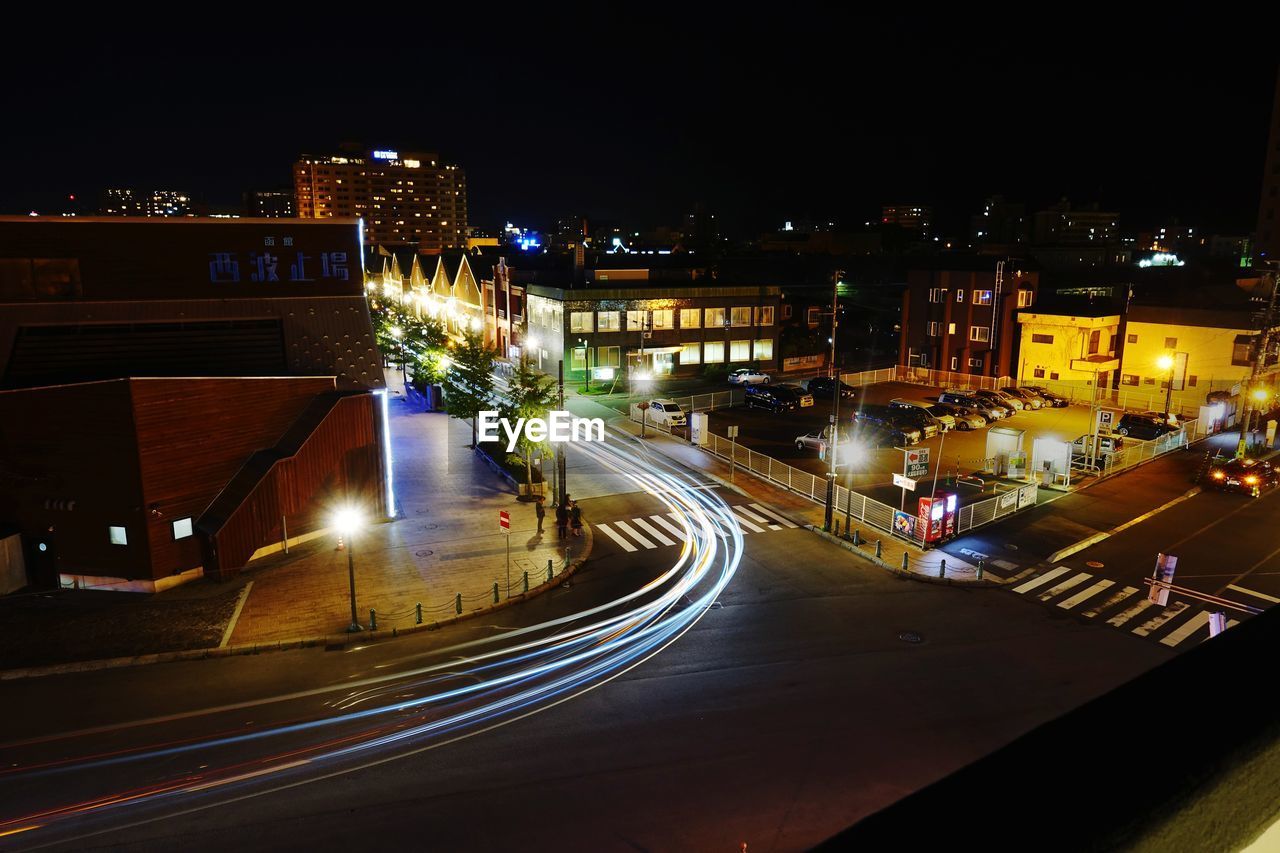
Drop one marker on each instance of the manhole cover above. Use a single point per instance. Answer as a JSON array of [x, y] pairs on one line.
[[428, 526], [424, 553], [1010, 546], [910, 637], [1094, 564], [420, 511]]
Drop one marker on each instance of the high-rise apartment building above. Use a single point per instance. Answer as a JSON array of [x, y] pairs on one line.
[[912, 217], [404, 197], [126, 201], [270, 204]]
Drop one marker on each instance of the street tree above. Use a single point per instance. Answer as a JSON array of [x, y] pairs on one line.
[[530, 394], [468, 381]]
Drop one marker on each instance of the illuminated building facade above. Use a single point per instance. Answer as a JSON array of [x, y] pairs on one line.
[[408, 198], [270, 204], [908, 216], [125, 201]]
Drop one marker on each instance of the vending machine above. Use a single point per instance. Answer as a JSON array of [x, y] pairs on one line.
[[936, 517]]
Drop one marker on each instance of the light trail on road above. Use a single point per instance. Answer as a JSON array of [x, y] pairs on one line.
[[169, 770]]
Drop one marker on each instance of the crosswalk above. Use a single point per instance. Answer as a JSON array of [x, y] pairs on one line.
[[660, 531], [1126, 608]]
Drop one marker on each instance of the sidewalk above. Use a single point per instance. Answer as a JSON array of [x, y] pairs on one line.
[[921, 564], [445, 540]]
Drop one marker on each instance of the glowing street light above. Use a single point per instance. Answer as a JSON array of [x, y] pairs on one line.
[[1166, 362], [347, 521]]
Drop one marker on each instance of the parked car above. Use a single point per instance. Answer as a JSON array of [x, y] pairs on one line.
[[965, 419], [747, 376], [813, 440], [1010, 402], [1250, 476], [876, 435], [928, 424], [885, 417], [1029, 398], [1142, 426], [1050, 398], [665, 411], [824, 388], [1107, 444], [773, 399], [1174, 420], [941, 419], [989, 410], [805, 398]]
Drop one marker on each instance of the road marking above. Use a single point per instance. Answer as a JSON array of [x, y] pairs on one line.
[[1192, 625], [1063, 553], [1164, 616], [627, 546], [675, 530], [766, 511], [1261, 595], [1022, 574], [1043, 579], [1005, 564], [1088, 593], [758, 519], [631, 531], [653, 531], [1109, 602], [1125, 615], [1074, 580], [747, 524], [235, 617]]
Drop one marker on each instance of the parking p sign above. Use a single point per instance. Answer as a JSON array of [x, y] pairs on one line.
[[1106, 421]]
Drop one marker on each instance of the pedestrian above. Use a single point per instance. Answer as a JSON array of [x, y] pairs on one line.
[[575, 513], [541, 511], [562, 519]]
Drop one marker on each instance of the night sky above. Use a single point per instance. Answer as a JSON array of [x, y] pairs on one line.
[[762, 118]]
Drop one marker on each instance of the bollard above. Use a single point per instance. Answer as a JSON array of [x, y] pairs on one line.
[[457, 604], [981, 566], [942, 568], [373, 619], [879, 549], [419, 622], [550, 572], [904, 561], [495, 592], [526, 582], [857, 539]]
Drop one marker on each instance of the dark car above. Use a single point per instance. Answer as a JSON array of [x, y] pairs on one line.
[[771, 398], [1144, 427], [824, 388], [891, 419], [1050, 398], [1249, 476], [878, 435]]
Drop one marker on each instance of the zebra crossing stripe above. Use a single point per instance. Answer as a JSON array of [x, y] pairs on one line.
[[1192, 625], [764, 510], [1125, 615], [1074, 580], [758, 519], [653, 531], [626, 546], [675, 531], [747, 524], [1254, 593], [1110, 601], [1156, 621], [1087, 594], [1043, 579], [634, 534]]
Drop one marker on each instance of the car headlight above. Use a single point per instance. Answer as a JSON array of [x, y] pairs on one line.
[[1218, 475], [1251, 480]]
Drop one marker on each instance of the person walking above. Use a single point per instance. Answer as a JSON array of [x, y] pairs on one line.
[[562, 520], [541, 511], [575, 512]]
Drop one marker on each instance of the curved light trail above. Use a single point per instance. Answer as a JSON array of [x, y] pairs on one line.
[[171, 770]]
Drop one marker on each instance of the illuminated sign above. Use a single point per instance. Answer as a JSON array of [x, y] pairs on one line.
[[386, 155], [412, 164]]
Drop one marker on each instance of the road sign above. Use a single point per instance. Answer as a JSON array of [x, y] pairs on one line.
[[504, 521], [1106, 421], [916, 463], [1217, 623], [733, 431], [904, 482], [1161, 578]]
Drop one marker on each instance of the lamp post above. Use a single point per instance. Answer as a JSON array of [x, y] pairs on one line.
[[835, 400], [348, 522], [1166, 362]]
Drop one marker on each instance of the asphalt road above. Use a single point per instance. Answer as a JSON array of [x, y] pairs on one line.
[[793, 709]]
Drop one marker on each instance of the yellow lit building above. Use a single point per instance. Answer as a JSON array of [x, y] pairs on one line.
[[1068, 353]]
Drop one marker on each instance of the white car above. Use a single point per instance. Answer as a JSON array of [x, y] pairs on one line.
[[667, 412], [746, 376]]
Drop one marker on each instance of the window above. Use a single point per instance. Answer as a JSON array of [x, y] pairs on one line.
[[955, 362], [579, 361], [764, 315], [1095, 339], [1242, 351], [637, 321], [118, 535], [1038, 373], [1133, 339], [982, 297], [581, 321], [182, 528], [1042, 339], [714, 318], [935, 328], [1191, 381], [975, 362], [1149, 381], [960, 295], [663, 318], [1129, 379], [691, 353], [607, 357], [786, 312], [764, 349], [1024, 298], [1170, 343], [980, 333], [951, 328], [742, 316], [609, 321], [691, 318], [938, 294], [813, 316], [713, 352], [740, 351]]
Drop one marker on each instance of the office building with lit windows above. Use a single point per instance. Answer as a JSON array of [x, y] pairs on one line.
[[126, 201], [404, 197]]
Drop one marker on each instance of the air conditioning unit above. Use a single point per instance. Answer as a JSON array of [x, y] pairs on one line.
[[647, 335]]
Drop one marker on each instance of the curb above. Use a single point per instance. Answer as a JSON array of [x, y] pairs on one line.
[[897, 570], [335, 641]]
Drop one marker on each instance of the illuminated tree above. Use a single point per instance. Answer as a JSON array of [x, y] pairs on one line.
[[468, 381]]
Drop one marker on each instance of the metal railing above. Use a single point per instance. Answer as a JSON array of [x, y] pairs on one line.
[[1137, 452]]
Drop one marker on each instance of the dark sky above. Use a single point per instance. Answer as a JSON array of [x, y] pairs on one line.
[[787, 115]]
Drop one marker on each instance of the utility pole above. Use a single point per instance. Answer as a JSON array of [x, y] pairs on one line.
[[1264, 347], [835, 398], [561, 484]]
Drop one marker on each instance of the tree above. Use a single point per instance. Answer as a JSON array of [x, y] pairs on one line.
[[468, 382], [529, 395], [419, 341]]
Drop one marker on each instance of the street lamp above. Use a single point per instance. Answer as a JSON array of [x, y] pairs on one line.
[[835, 400], [348, 521], [1166, 362]]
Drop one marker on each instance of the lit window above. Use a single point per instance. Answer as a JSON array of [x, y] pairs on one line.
[[713, 352], [609, 321], [982, 297], [118, 535], [663, 318], [980, 333], [715, 318], [960, 295], [764, 315], [637, 320], [691, 353], [740, 351], [182, 528], [764, 349], [690, 318], [580, 321], [742, 316], [951, 328], [1024, 298]]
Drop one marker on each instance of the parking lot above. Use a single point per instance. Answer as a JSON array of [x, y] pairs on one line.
[[953, 454]]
